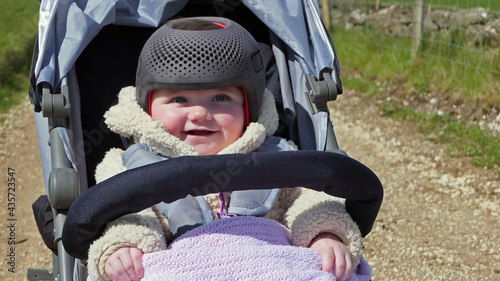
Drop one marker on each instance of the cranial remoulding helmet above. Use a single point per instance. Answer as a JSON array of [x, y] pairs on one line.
[[179, 59]]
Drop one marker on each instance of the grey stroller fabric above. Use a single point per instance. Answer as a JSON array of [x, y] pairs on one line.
[[83, 19]]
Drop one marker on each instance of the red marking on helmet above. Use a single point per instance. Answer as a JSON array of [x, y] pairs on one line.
[[221, 25]]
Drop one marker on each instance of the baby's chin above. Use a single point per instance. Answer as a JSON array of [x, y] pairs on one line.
[[206, 149], [207, 144]]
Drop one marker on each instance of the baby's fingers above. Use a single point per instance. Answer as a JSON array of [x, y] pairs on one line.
[[136, 256], [129, 272], [327, 261], [125, 265], [117, 271], [343, 268]]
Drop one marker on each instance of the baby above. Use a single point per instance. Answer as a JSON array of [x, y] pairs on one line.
[[201, 90]]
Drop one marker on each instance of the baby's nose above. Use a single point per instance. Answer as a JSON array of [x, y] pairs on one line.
[[199, 113]]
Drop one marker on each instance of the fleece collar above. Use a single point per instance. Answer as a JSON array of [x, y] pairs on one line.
[[129, 120]]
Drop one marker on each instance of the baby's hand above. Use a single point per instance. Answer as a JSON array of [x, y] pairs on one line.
[[125, 265], [334, 255]]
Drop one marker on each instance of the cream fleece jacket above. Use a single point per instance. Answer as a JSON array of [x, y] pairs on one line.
[[306, 212]]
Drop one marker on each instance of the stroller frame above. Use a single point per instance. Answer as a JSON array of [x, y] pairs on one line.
[[64, 184]]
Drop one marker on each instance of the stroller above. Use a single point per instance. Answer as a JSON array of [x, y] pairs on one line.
[[88, 49]]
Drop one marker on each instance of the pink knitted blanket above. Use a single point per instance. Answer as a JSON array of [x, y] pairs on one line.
[[241, 248]]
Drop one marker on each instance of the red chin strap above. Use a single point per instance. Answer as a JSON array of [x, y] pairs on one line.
[[150, 94], [246, 120]]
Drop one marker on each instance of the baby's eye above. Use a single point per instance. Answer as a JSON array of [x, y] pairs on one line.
[[221, 98], [178, 100]]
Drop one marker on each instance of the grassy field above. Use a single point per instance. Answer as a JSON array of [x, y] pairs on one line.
[[18, 24], [370, 59], [388, 57]]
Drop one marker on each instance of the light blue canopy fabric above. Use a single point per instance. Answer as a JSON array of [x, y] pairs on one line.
[[66, 27]]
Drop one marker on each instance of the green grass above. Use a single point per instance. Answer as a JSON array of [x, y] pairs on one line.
[[18, 25], [439, 69], [493, 5], [360, 85], [371, 62], [463, 140]]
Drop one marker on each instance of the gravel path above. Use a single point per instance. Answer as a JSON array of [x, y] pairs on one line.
[[19, 151], [440, 216], [439, 220]]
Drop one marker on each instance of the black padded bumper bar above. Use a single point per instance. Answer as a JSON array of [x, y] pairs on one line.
[[168, 181]]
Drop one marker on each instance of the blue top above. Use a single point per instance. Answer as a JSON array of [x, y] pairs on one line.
[[191, 212]]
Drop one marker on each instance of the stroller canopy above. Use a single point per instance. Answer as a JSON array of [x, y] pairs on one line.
[[300, 42], [67, 27]]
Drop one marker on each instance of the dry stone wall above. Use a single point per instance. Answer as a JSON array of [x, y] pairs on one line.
[[479, 24]]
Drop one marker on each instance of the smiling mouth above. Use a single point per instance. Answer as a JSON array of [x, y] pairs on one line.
[[199, 132]]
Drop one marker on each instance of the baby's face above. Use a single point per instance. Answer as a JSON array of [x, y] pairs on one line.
[[208, 120]]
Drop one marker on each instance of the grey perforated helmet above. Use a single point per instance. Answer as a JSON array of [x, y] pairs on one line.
[[179, 59]]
